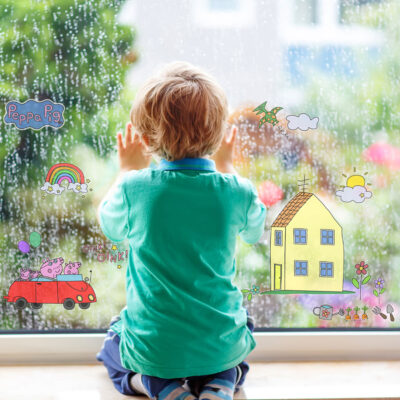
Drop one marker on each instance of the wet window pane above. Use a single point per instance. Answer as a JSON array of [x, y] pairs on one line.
[[306, 12], [223, 5], [325, 163]]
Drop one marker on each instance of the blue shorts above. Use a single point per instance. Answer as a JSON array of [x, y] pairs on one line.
[[120, 376]]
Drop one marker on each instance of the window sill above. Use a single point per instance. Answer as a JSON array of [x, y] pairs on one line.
[[271, 346]]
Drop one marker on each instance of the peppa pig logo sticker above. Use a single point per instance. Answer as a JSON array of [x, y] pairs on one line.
[[34, 114]]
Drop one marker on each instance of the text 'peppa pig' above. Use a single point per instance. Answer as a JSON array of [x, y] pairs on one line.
[[34, 114]]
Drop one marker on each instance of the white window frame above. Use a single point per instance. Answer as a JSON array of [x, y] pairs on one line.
[[327, 30], [204, 17], [78, 348]]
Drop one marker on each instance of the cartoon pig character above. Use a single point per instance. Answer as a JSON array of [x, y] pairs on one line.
[[52, 268], [24, 274], [72, 268], [34, 274]]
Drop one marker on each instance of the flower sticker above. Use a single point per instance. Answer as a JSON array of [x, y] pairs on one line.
[[379, 283], [325, 313], [253, 291], [361, 269], [379, 289]]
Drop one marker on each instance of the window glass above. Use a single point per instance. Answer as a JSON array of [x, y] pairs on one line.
[[278, 238], [300, 236], [306, 11], [223, 5], [327, 159], [327, 236], [326, 269], [300, 267]]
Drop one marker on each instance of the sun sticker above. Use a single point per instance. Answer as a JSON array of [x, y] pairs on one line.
[[355, 188]]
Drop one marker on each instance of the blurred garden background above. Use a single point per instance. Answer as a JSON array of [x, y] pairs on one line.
[[338, 60]]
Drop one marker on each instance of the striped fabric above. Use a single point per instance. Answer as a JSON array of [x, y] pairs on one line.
[[217, 389], [175, 391]]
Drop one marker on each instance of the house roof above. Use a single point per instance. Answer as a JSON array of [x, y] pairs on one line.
[[291, 209]]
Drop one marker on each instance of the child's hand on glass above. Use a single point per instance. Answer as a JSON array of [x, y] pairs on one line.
[[224, 156], [133, 153]]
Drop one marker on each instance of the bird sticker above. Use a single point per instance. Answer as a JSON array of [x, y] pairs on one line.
[[269, 116]]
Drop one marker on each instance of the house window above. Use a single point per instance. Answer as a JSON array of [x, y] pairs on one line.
[[300, 236], [305, 12], [327, 236], [224, 13], [300, 267], [326, 269], [278, 238]]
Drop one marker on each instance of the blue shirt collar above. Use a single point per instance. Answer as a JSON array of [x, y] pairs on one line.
[[196, 164]]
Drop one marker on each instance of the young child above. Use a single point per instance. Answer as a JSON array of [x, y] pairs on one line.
[[184, 332]]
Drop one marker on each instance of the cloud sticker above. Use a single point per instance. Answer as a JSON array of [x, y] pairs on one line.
[[55, 189], [78, 187], [302, 122], [357, 194]]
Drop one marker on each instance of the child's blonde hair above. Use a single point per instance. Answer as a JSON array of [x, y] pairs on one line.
[[182, 111]]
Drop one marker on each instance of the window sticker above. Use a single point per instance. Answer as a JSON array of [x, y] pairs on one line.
[[363, 277], [59, 173], [34, 240], [389, 309], [52, 285], [269, 116], [355, 189], [34, 114], [379, 289], [108, 252], [293, 122], [326, 312], [301, 222], [302, 122], [255, 290]]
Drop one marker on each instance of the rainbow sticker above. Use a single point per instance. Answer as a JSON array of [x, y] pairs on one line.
[[63, 171]]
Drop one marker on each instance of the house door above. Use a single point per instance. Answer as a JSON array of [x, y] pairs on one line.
[[278, 276]]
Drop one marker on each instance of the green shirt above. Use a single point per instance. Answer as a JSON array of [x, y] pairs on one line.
[[184, 316]]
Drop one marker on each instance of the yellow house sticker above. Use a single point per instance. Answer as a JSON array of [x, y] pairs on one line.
[[306, 248]]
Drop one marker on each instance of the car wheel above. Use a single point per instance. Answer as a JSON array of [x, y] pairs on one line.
[[21, 303], [36, 306], [69, 304], [84, 306]]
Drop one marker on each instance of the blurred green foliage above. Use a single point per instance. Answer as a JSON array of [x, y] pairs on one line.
[[369, 102], [74, 52], [71, 51]]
